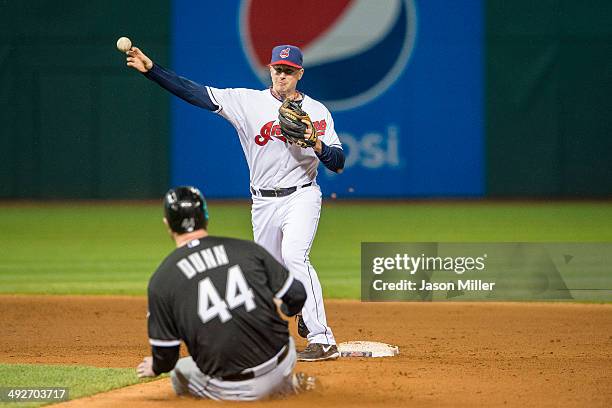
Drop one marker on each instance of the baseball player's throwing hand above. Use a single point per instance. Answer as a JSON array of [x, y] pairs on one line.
[[145, 369], [138, 60]]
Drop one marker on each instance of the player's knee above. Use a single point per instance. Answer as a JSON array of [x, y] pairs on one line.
[[179, 376], [179, 382], [294, 259]]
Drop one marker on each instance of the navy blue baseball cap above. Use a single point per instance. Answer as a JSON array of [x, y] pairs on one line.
[[286, 55]]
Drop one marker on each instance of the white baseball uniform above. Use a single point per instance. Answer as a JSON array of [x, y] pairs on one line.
[[285, 226]]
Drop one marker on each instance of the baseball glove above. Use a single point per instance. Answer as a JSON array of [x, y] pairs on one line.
[[293, 123]]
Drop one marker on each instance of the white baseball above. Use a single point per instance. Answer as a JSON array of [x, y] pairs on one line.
[[124, 44]]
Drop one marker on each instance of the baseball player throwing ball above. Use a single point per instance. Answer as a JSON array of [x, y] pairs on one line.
[[284, 135], [218, 296]]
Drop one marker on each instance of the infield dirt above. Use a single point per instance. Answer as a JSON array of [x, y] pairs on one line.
[[451, 354]]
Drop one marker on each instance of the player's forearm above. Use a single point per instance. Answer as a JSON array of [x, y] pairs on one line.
[[184, 88], [332, 157], [164, 358]]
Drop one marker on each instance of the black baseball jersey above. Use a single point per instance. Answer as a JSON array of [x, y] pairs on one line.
[[216, 294]]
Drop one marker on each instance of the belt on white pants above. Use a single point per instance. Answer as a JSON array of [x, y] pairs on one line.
[[278, 192]]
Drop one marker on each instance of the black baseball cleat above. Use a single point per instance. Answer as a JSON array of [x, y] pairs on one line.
[[318, 352], [301, 326]]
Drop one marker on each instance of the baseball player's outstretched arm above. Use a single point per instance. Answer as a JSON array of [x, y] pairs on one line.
[[184, 88]]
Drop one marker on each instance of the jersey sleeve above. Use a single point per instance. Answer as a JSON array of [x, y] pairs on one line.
[[330, 137], [184, 88], [230, 102], [332, 157], [279, 277], [161, 326]]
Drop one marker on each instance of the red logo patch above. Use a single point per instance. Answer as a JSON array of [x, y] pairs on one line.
[[267, 132], [320, 126], [270, 130], [284, 53]]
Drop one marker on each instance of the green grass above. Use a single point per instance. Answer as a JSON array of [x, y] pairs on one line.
[[113, 248], [80, 380]]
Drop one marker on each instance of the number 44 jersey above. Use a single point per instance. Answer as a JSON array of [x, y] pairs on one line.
[[217, 295]]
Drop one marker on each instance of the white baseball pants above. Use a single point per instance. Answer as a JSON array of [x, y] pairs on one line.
[[286, 227]]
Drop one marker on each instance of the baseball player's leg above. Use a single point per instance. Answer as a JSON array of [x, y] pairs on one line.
[[188, 379], [276, 381], [266, 226], [299, 227]]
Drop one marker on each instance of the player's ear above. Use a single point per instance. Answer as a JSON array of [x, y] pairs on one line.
[[300, 74]]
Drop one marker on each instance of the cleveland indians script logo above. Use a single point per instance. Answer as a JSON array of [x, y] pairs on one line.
[[270, 130]]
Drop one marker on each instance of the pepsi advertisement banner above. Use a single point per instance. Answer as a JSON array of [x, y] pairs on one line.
[[403, 80]]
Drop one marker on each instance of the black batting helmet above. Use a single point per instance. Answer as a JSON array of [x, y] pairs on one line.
[[185, 209]]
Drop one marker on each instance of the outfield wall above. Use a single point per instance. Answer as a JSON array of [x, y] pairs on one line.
[[75, 123], [435, 99], [549, 98]]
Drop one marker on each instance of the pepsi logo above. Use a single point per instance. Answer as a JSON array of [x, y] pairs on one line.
[[354, 50]]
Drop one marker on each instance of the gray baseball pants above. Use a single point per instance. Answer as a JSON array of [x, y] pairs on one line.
[[271, 380]]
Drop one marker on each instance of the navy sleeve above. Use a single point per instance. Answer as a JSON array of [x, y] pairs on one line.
[[293, 299], [332, 157], [184, 88], [164, 358]]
